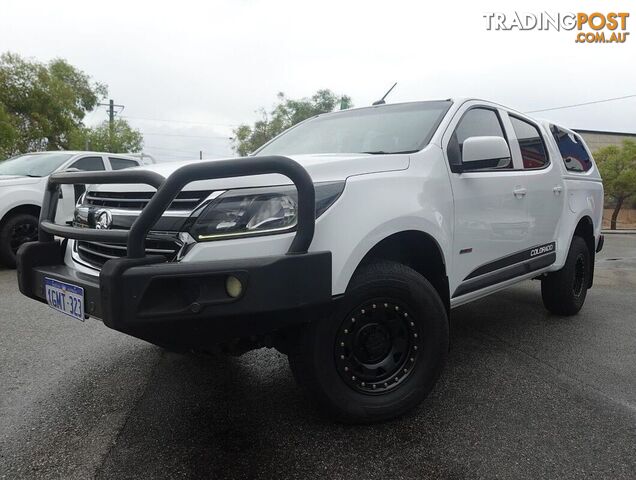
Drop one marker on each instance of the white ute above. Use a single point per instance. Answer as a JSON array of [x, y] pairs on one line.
[[344, 243], [22, 182]]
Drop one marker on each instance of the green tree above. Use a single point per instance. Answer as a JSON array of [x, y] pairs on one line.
[[8, 133], [618, 169], [124, 138], [42, 104], [286, 113]]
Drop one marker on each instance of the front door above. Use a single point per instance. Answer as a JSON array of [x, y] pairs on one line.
[[492, 223]]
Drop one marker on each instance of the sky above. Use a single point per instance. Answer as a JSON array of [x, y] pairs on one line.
[[189, 72]]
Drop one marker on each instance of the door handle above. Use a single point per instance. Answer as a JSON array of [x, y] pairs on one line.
[[557, 190], [520, 192]]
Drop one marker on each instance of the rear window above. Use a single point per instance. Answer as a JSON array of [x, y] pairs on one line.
[[572, 150], [121, 163], [531, 144]]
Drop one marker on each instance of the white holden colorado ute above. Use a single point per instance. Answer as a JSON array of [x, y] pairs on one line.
[[23, 181], [345, 243]]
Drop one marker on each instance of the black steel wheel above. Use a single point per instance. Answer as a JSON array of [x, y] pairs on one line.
[[15, 231], [22, 233], [377, 346], [564, 292], [580, 275], [380, 352]]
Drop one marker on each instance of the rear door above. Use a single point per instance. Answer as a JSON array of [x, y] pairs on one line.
[[491, 214], [544, 184]]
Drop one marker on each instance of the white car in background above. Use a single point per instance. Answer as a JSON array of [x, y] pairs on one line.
[[23, 180]]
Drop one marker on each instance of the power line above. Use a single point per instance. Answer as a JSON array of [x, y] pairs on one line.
[[172, 153], [186, 136], [181, 121], [170, 156], [187, 152], [582, 104]]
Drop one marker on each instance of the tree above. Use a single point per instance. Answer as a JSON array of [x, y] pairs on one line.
[[8, 133], [286, 113], [124, 138], [618, 169], [42, 104]]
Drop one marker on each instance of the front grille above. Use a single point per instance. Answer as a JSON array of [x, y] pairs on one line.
[[97, 253], [187, 200]]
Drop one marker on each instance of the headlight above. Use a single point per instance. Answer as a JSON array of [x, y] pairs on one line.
[[256, 211], [80, 200]]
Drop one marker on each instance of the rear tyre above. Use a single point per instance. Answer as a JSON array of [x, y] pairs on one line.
[[380, 353], [15, 231], [564, 292]]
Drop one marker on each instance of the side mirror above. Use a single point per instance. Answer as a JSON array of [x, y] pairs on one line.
[[484, 152]]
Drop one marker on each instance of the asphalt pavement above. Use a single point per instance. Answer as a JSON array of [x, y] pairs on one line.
[[525, 394]]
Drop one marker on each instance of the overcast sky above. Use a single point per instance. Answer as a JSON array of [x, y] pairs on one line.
[[188, 72]]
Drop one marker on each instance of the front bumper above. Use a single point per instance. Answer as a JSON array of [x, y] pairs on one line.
[[186, 305]]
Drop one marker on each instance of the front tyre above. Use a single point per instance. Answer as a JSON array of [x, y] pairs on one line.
[[564, 292], [15, 231], [380, 353]]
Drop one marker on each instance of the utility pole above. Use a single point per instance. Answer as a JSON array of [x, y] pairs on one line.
[[111, 121], [200, 154]]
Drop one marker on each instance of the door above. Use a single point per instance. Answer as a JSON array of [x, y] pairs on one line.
[[71, 193], [491, 215], [544, 182]]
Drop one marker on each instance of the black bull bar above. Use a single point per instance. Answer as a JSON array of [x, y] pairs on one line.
[[128, 295], [167, 190]]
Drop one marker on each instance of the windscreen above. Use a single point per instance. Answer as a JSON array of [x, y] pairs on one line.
[[401, 128], [33, 165]]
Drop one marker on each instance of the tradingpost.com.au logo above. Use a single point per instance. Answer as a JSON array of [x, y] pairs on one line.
[[588, 27]]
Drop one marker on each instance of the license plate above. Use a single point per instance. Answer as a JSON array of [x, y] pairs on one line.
[[65, 298]]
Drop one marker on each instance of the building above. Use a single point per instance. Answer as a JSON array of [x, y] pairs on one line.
[[596, 139]]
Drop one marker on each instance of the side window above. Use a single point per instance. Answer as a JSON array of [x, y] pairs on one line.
[[89, 164], [476, 122], [572, 150], [531, 144], [119, 163]]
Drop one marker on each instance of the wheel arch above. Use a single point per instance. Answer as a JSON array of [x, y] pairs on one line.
[[417, 250], [27, 208], [585, 230]]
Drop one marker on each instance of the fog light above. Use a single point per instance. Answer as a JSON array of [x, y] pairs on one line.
[[233, 287]]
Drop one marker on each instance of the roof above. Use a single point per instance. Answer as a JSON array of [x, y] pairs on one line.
[[80, 152]]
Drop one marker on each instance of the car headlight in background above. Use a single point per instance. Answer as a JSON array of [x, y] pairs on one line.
[[256, 211], [80, 200]]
